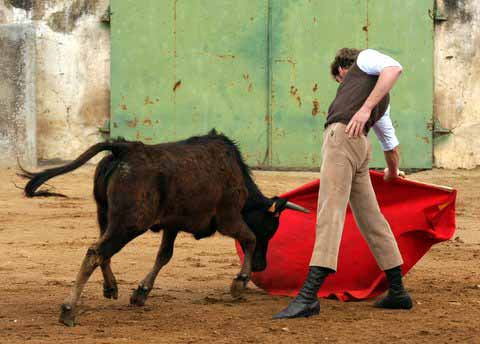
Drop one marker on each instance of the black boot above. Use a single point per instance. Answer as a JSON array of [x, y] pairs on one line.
[[397, 297], [306, 302]]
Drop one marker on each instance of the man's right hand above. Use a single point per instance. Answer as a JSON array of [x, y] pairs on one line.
[[357, 123]]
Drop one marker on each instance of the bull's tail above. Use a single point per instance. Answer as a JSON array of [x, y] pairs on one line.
[[37, 179]]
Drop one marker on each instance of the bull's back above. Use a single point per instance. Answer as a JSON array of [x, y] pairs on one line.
[[187, 183], [205, 173]]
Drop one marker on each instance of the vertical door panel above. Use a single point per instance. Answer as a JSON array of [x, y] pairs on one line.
[[141, 62], [404, 30], [305, 36]]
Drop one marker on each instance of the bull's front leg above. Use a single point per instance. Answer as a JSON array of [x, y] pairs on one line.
[[110, 288], [246, 238], [139, 296]]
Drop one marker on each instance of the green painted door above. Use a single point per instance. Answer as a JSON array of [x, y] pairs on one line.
[[305, 36], [180, 68], [259, 72]]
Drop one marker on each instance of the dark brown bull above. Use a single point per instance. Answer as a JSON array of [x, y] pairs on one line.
[[200, 186]]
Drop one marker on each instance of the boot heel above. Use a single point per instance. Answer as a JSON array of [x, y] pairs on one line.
[[314, 310]]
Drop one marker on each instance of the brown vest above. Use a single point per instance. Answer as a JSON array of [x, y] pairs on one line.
[[351, 94]]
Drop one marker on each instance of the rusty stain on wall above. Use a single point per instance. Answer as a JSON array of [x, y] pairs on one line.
[[293, 90], [299, 101], [177, 85], [294, 93], [226, 56], [148, 101], [132, 123], [423, 138], [316, 106]]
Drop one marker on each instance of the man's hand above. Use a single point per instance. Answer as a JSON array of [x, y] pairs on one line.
[[389, 176], [392, 158], [357, 123]]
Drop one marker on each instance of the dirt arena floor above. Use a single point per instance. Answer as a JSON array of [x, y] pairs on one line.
[[42, 242]]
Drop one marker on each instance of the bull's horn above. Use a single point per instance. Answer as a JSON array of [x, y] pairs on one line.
[[296, 207]]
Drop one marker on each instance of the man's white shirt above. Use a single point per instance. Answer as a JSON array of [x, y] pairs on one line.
[[373, 62]]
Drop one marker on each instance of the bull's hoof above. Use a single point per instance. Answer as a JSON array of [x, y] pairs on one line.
[[239, 284], [110, 292], [67, 315], [139, 296]]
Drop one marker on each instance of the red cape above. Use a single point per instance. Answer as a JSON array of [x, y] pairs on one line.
[[420, 215]]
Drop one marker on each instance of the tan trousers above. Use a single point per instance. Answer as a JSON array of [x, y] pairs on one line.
[[345, 177]]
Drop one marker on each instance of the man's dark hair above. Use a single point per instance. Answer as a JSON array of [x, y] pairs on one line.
[[344, 58]]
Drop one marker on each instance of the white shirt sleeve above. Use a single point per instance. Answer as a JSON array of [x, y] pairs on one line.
[[372, 62], [385, 132]]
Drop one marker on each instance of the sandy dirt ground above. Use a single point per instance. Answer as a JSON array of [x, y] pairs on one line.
[[42, 242]]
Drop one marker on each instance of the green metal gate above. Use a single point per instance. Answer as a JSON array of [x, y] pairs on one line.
[[259, 72]]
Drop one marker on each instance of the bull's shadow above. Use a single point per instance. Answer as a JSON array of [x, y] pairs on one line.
[[200, 185]]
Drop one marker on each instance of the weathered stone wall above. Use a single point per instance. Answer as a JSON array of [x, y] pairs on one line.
[[17, 95], [457, 84], [73, 71]]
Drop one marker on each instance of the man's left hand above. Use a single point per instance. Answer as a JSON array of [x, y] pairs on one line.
[[357, 123], [389, 176]]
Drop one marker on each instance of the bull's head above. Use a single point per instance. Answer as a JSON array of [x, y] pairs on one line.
[[264, 221]]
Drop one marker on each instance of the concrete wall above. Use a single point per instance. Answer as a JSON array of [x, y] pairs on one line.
[[457, 84], [17, 95], [73, 71]]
